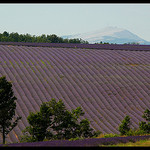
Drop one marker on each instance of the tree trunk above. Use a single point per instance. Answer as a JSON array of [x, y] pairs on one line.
[[3, 135]]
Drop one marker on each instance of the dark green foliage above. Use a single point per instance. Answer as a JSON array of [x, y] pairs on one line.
[[54, 121], [135, 132], [124, 127], [39, 122], [15, 37], [146, 115], [103, 42], [145, 126], [111, 135], [7, 107]]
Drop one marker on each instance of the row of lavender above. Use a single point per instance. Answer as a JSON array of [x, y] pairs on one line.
[[88, 46], [94, 142], [105, 83]]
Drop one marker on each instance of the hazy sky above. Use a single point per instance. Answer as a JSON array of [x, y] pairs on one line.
[[64, 19]]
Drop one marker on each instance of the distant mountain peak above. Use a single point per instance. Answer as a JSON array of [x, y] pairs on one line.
[[111, 34]]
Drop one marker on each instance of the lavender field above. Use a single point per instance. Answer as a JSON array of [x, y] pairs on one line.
[[108, 83]]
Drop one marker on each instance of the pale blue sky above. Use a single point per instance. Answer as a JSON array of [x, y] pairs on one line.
[[64, 19]]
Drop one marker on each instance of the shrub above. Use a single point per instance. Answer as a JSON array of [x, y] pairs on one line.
[[145, 126], [124, 127], [111, 135]]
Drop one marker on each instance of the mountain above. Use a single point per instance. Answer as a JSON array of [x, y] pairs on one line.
[[111, 35]]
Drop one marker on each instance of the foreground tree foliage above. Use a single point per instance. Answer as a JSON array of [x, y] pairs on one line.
[[145, 126], [54, 121], [7, 108], [124, 127]]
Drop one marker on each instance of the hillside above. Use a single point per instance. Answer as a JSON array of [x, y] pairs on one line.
[[107, 84]]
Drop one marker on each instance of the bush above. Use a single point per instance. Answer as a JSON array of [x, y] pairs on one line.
[[77, 138], [137, 132], [145, 126], [124, 127], [111, 135]]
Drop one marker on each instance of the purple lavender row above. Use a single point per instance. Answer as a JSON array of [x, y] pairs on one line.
[[88, 46], [83, 143]]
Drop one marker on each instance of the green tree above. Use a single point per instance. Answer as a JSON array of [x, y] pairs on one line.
[[54, 121], [5, 33], [124, 127], [14, 37], [145, 126], [7, 108], [146, 115], [39, 122], [53, 38]]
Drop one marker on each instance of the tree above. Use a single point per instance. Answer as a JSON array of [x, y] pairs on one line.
[[146, 115], [145, 126], [14, 37], [39, 122], [5, 33], [7, 107], [54, 121], [124, 127], [53, 38]]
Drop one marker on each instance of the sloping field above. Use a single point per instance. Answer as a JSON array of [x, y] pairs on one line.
[[107, 84]]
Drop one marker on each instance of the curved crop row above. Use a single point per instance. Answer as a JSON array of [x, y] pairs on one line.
[[87, 46], [107, 84]]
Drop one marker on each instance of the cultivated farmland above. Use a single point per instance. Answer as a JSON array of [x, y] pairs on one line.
[[108, 83]]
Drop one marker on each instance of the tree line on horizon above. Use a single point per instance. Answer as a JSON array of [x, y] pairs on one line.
[[53, 38]]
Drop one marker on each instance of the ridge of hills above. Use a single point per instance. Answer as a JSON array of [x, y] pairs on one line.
[[111, 35]]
